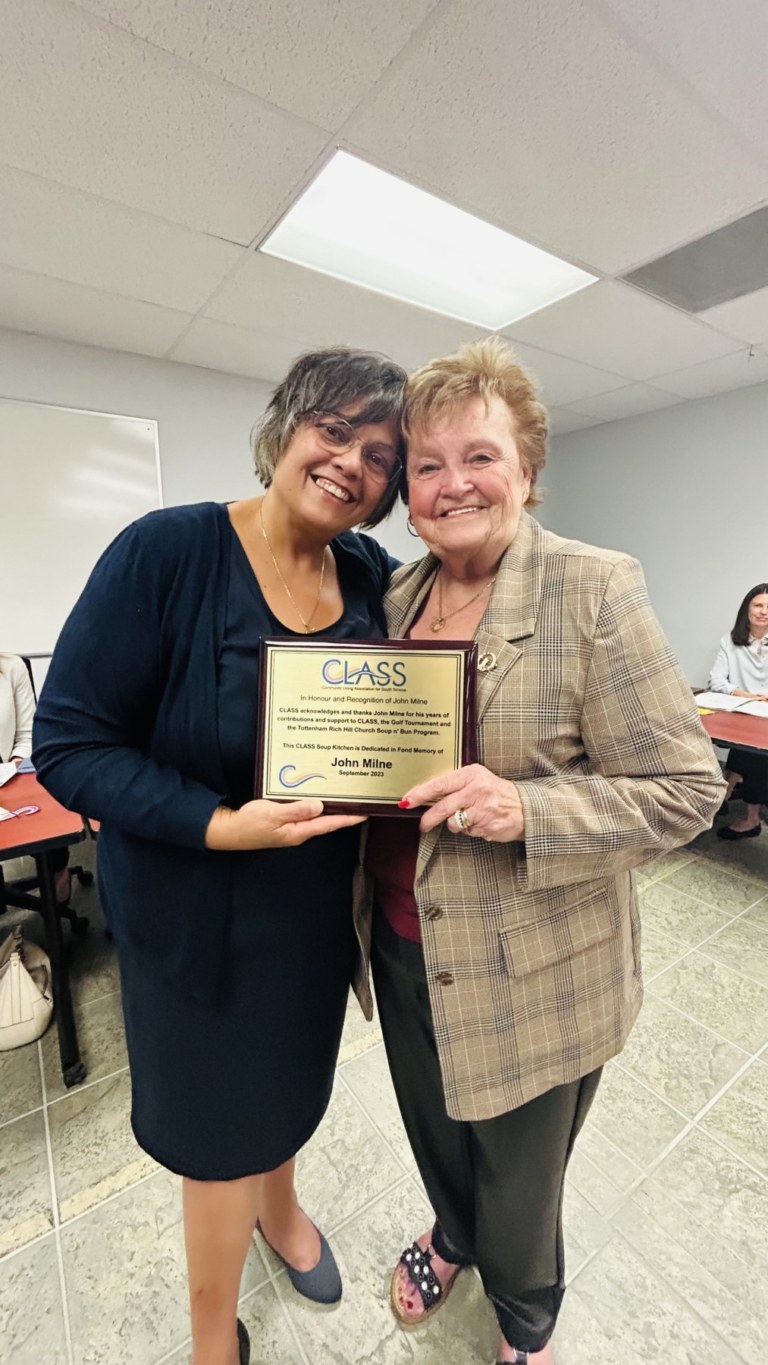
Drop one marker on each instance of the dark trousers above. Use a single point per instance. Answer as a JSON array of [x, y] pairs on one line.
[[496, 1185], [753, 770]]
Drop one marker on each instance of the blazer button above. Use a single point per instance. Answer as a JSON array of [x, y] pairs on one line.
[[434, 912], [445, 978]]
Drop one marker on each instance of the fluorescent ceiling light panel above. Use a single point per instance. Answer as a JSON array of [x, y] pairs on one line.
[[366, 226]]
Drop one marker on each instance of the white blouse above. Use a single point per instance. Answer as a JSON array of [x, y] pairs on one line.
[[740, 666], [17, 707]]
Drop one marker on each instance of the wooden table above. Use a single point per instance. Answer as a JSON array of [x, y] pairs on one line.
[[37, 836], [737, 729]]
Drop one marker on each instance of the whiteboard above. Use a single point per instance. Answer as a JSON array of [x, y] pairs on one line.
[[69, 481]]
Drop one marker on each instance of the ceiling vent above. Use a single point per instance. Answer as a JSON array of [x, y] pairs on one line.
[[722, 266]]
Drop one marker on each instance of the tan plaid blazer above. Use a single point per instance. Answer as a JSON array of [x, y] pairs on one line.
[[533, 949]]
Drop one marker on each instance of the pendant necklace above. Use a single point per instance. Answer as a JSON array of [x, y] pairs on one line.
[[439, 621], [308, 623]]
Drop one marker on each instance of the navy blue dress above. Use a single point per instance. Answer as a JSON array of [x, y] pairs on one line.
[[236, 1086]]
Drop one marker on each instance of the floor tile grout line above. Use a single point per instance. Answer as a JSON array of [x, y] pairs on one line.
[[110, 1198], [738, 1156], [622, 1066], [369, 1204], [82, 1086], [372, 1121], [753, 980], [743, 874], [86, 1004], [681, 1246], [347, 1061], [695, 948], [709, 1104], [725, 1087], [18, 1118], [698, 900], [611, 1143], [282, 1300], [55, 1213], [693, 1019], [679, 1295]]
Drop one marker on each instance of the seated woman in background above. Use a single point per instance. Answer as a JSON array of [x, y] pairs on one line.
[[17, 709], [741, 669]]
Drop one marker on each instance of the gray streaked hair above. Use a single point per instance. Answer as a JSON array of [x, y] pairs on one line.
[[330, 380]]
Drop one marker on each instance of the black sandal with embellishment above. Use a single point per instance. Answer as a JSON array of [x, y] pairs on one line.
[[418, 1264]]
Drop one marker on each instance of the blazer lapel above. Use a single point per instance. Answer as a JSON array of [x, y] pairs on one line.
[[510, 617]]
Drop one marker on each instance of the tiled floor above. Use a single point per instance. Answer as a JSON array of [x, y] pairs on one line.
[[667, 1202]]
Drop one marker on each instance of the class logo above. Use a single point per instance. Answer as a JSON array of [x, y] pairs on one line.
[[290, 778], [346, 673]]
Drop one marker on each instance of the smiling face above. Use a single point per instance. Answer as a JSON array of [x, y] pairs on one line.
[[467, 484], [330, 491], [758, 615]]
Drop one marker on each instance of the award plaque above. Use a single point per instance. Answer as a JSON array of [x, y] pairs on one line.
[[359, 722]]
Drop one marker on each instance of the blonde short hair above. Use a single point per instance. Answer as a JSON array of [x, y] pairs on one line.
[[482, 369]]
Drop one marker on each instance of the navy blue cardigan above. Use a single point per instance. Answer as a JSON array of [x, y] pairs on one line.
[[126, 729]]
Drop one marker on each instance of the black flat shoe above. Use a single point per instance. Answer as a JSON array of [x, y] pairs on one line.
[[732, 834], [244, 1342], [321, 1284]]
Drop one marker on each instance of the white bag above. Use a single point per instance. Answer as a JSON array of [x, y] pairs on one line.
[[26, 997]]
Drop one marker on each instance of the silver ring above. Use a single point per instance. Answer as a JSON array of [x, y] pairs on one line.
[[462, 820]]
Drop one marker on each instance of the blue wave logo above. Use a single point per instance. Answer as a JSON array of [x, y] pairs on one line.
[[286, 779]]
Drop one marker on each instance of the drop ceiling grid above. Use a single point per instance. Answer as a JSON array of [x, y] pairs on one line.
[[87, 105], [146, 143], [719, 50], [566, 134], [316, 60]]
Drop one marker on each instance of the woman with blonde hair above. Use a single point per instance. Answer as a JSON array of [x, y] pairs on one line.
[[506, 945]]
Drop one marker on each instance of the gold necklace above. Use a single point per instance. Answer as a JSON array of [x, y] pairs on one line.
[[439, 621], [308, 623]]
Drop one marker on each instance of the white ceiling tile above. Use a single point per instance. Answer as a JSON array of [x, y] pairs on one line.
[[90, 106], [617, 328], [291, 300], [258, 354], [56, 308], [563, 420], [561, 380], [627, 402], [555, 126], [736, 371], [721, 50], [52, 230], [745, 318], [317, 60]]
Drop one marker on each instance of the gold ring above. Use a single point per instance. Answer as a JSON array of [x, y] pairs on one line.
[[462, 820]]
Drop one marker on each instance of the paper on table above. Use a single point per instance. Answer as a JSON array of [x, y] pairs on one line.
[[755, 708], [7, 771], [724, 701]]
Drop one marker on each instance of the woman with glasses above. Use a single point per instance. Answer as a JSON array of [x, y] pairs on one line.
[[506, 935], [233, 919]]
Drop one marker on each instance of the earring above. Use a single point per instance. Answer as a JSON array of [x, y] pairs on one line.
[[412, 529]]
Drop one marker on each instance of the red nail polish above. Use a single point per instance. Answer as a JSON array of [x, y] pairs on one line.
[[404, 804]]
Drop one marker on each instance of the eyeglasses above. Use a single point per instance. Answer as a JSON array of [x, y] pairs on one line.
[[338, 436]]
